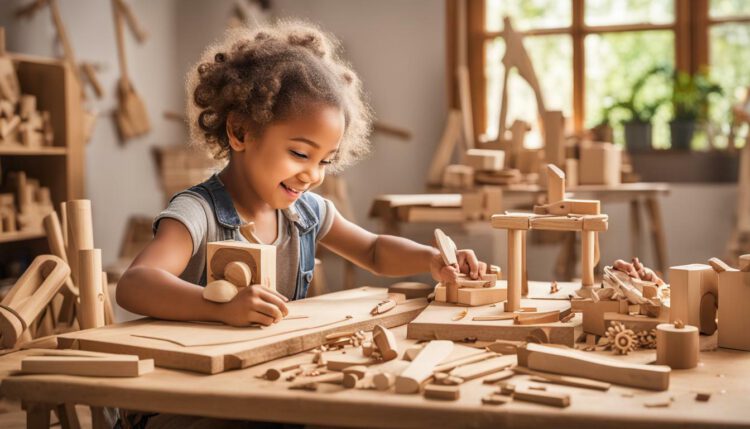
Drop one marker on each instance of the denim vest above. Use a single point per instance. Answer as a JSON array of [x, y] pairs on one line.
[[307, 223]]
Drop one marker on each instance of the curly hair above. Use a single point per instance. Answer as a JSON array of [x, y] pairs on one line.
[[270, 74]]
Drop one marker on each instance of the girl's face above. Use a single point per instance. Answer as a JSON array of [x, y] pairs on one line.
[[291, 156]]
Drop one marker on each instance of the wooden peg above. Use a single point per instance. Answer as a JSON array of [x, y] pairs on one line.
[[238, 273], [80, 233], [385, 341], [91, 310], [383, 380], [677, 345]]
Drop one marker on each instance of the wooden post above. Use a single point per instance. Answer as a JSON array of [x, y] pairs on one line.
[[588, 242], [515, 269], [80, 233], [524, 271], [91, 311]]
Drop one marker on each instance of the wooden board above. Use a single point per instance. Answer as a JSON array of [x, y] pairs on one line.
[[435, 322], [184, 345]]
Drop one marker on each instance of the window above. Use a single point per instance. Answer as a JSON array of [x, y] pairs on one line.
[[588, 53]]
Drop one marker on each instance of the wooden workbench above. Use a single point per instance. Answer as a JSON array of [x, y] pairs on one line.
[[240, 395]]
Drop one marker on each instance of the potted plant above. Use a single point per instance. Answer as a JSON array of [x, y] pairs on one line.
[[690, 102], [641, 111]]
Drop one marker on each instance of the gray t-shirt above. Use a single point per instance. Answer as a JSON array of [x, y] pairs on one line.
[[191, 211]]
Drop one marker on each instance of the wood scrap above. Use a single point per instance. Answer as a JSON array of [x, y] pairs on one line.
[[495, 399], [465, 360], [554, 399], [500, 376], [422, 366], [385, 342], [544, 377], [436, 391]]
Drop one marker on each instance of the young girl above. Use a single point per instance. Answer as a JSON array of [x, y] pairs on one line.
[[284, 110]]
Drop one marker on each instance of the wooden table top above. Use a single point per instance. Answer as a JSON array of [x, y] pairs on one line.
[[241, 395]]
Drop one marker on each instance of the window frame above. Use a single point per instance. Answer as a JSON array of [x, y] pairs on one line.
[[691, 26]]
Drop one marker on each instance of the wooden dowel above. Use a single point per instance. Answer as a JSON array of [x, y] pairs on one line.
[[54, 236], [80, 233], [91, 310]]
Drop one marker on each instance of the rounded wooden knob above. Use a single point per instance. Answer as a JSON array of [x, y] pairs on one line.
[[677, 345], [220, 291], [238, 273]]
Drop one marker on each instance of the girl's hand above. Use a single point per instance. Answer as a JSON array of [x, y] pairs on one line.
[[254, 304], [467, 264]]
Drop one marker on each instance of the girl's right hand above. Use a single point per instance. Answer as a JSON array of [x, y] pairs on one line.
[[254, 304]]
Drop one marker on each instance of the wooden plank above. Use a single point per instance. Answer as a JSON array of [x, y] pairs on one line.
[[216, 348], [580, 364], [435, 323], [112, 366], [420, 369]]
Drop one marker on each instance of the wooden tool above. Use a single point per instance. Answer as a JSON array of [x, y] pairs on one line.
[[580, 364], [131, 115], [422, 366], [29, 296]]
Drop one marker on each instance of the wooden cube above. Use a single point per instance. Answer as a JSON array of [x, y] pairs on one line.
[[261, 258], [474, 296], [734, 317], [485, 159], [688, 284], [600, 164], [458, 176], [593, 313]]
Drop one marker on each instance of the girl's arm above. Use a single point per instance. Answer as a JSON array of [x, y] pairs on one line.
[[151, 286], [389, 255]]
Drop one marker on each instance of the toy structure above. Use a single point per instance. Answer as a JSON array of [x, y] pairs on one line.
[[232, 265]]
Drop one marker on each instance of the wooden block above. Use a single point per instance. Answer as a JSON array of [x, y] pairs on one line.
[[512, 221], [474, 297], [485, 159], [111, 366], [340, 362], [555, 184], [492, 200], [571, 172], [677, 347], [431, 214], [600, 164], [554, 399], [435, 320], [420, 369], [581, 364], [411, 289], [636, 323], [537, 318], [515, 269], [472, 205], [458, 176], [385, 341], [593, 314], [436, 391], [260, 258], [554, 137], [734, 319], [688, 284], [570, 206], [597, 223], [529, 160]]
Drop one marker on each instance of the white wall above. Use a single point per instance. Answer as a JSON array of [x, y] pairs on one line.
[[398, 49]]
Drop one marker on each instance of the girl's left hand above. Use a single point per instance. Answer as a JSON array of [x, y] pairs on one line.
[[467, 264]]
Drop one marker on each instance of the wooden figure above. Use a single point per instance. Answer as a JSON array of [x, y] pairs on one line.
[[260, 259], [420, 369], [600, 164], [677, 345], [29, 296], [694, 295]]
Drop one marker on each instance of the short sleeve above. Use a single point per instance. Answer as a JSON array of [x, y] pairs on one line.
[[188, 210], [328, 214]]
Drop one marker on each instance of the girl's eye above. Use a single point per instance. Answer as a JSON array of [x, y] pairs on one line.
[[298, 154], [328, 162]]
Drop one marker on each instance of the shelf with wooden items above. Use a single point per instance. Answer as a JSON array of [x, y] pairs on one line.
[[41, 119]]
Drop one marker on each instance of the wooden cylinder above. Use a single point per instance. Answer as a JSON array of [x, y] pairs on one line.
[[677, 347], [64, 222], [54, 236], [80, 234], [91, 310], [588, 242], [515, 269]]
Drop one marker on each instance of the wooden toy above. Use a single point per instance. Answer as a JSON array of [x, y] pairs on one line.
[[581, 364], [734, 319], [420, 369], [677, 345], [694, 295], [29, 296], [600, 164], [260, 259]]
